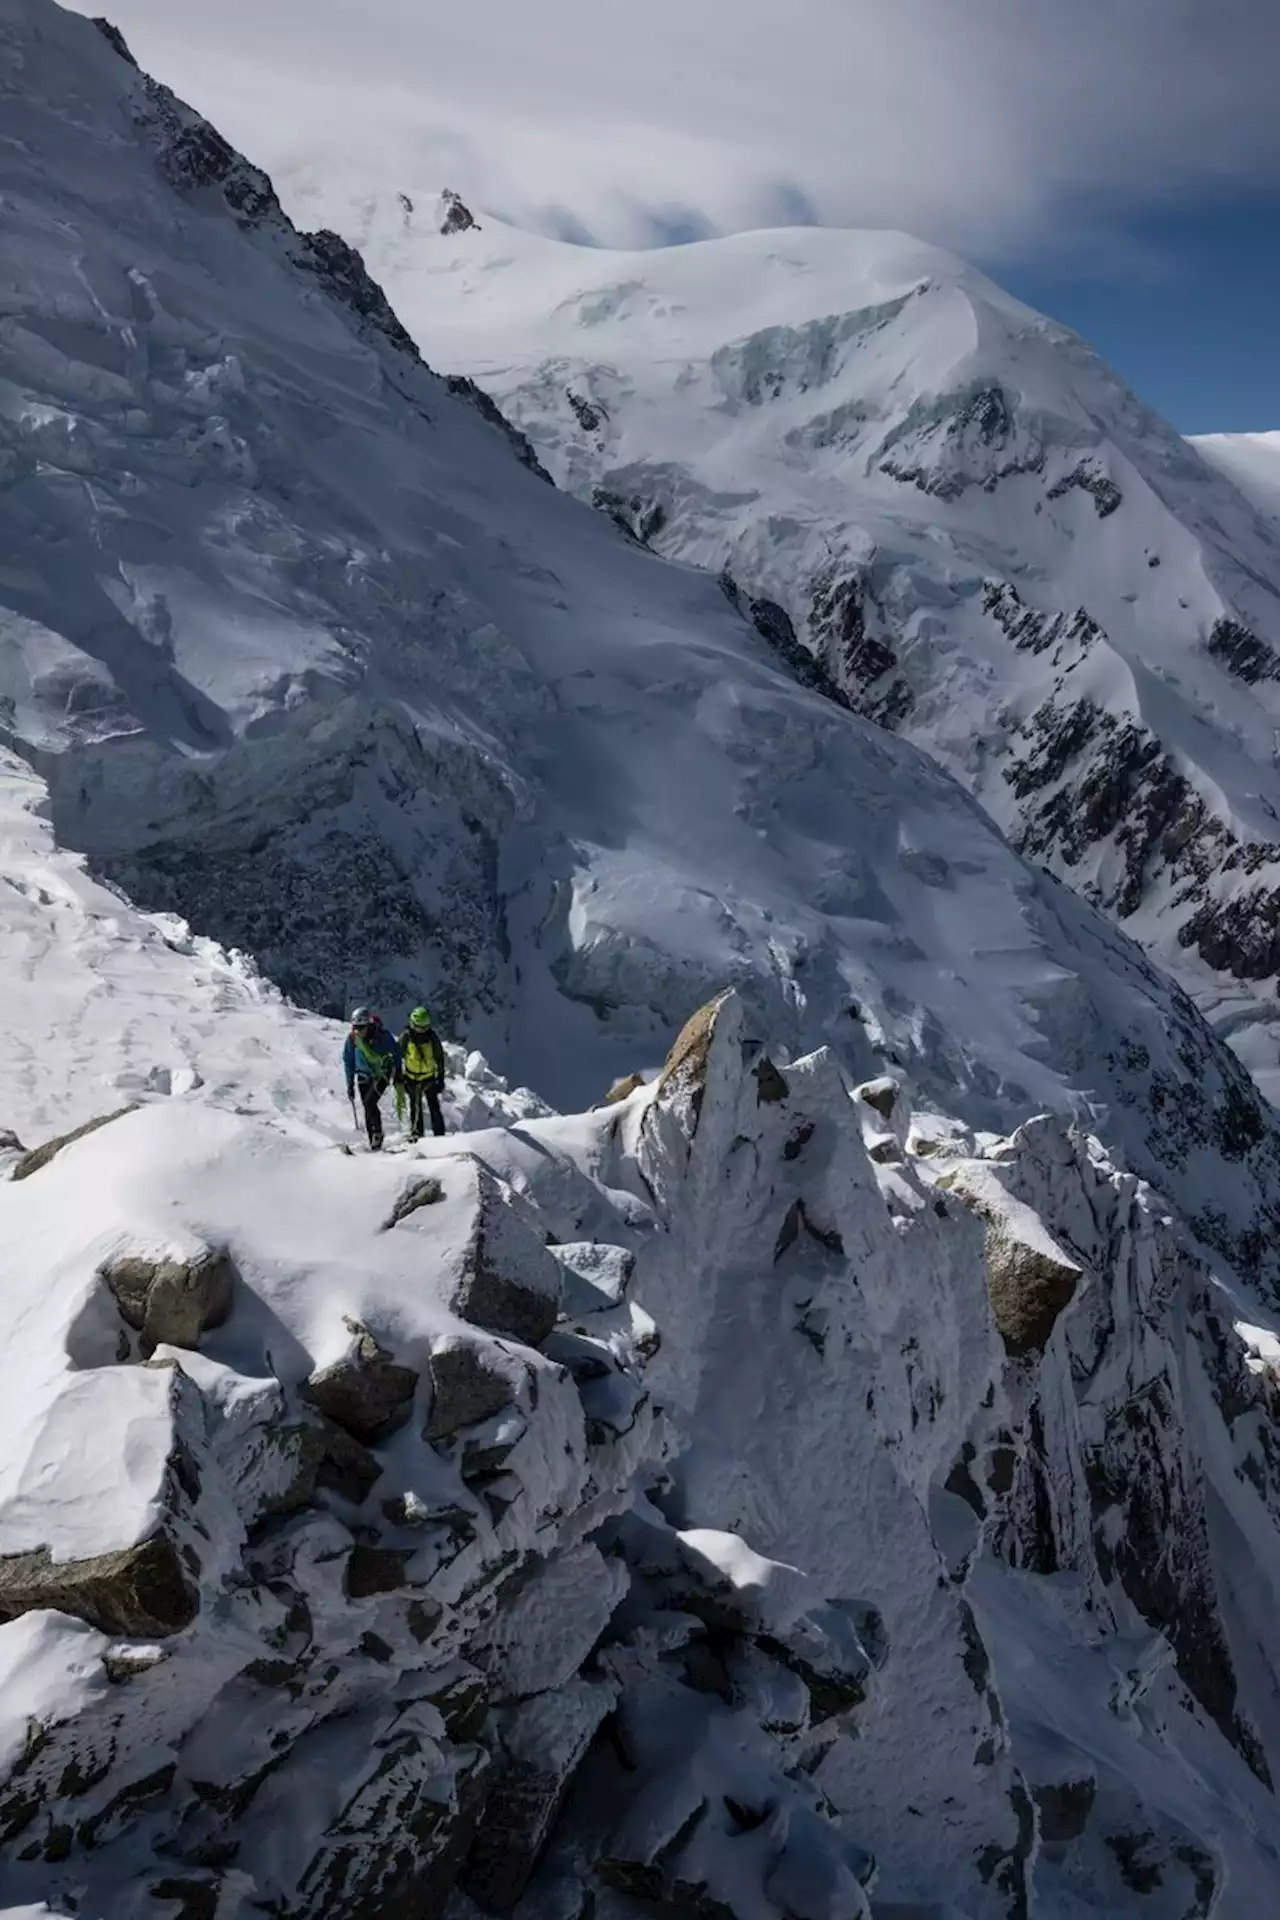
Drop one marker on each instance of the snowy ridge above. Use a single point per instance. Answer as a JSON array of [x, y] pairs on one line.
[[1250, 460], [411, 1583], [983, 539]]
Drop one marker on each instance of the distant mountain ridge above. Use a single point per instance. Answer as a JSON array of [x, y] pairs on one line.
[[980, 536]]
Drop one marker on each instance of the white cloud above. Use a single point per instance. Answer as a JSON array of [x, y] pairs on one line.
[[993, 126]]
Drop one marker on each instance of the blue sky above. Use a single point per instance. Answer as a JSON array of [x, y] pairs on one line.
[[1114, 162], [1192, 319]]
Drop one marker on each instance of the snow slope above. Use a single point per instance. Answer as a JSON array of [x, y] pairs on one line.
[[528, 1522], [946, 502], [1250, 460]]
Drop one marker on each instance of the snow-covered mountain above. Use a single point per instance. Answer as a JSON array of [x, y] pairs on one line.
[[949, 504], [1251, 460], [834, 1480]]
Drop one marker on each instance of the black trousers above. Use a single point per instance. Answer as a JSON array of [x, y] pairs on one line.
[[371, 1092], [420, 1091]]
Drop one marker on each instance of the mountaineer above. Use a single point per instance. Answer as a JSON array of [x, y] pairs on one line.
[[422, 1071], [371, 1062]]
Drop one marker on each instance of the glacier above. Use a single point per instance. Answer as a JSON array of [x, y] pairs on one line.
[[941, 505], [831, 1475]]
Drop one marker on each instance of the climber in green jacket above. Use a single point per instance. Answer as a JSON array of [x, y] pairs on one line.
[[422, 1071]]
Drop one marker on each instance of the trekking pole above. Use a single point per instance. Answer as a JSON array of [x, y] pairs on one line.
[[355, 1118]]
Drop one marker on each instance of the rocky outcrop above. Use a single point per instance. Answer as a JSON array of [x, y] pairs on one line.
[[112, 33], [1030, 1278], [32, 1162], [455, 215], [366, 1392], [841, 616], [774, 625], [466, 389], [946, 445], [172, 1301], [196, 158], [623, 1089], [1102, 490], [469, 1384], [139, 1592], [346, 277], [508, 1281], [641, 519], [1243, 653], [1067, 639]]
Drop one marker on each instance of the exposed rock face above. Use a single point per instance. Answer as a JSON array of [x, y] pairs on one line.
[[112, 33], [1031, 1280], [684, 1070], [139, 1592], [468, 1385], [488, 408], [1248, 657], [642, 520], [455, 216], [1103, 491], [509, 1282], [881, 1095], [41, 1156], [348, 279], [623, 1089], [365, 1392]]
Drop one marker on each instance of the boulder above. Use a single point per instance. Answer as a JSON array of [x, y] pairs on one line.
[[1030, 1279], [596, 1276], [366, 1392], [172, 1302], [345, 1467], [469, 1384], [418, 1193], [623, 1089], [880, 1095], [139, 1592], [509, 1282], [485, 1448]]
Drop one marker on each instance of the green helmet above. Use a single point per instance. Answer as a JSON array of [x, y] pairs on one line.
[[420, 1018]]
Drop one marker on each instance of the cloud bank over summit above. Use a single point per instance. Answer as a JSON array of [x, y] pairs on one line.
[[995, 127]]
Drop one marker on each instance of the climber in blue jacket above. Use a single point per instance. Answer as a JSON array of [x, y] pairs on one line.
[[371, 1062]]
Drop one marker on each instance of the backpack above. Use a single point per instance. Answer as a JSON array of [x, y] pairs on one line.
[[371, 1062], [422, 1056]]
